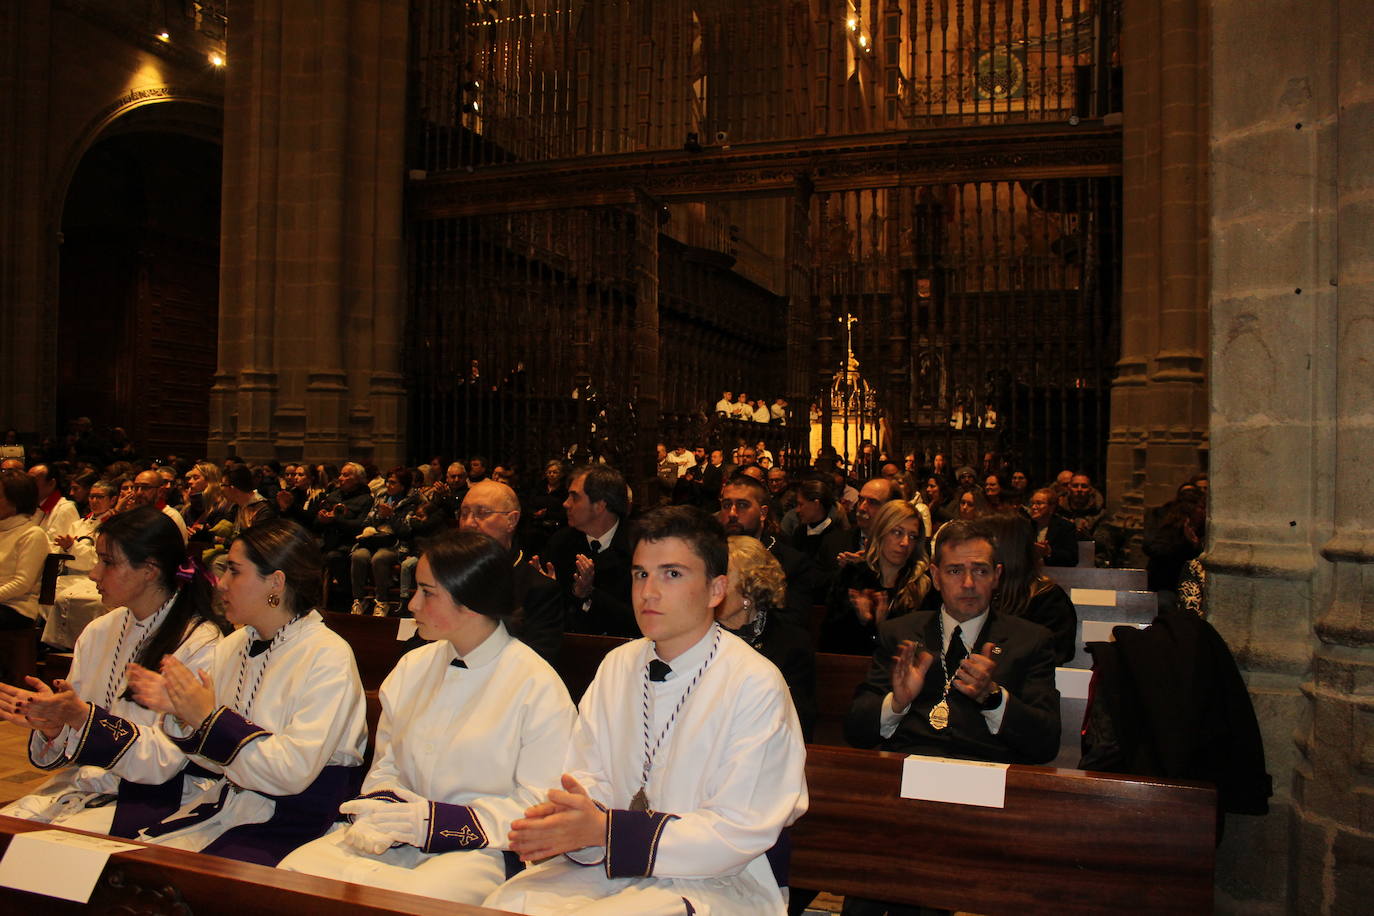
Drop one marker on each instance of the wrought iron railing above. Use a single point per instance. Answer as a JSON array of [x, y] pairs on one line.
[[525, 80]]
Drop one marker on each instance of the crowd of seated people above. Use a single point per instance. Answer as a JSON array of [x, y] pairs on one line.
[[938, 575]]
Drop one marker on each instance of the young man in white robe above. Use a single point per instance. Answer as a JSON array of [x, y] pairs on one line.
[[686, 762]]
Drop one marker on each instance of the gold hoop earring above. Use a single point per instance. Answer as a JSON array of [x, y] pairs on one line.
[[273, 600]]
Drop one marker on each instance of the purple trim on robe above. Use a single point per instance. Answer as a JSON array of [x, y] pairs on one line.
[[139, 806], [513, 864], [453, 828], [105, 739], [632, 842], [228, 734], [297, 820], [691, 910], [200, 813]]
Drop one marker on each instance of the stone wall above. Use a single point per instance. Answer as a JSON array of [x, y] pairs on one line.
[[1292, 514]]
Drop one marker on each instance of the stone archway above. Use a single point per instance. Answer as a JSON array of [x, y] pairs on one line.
[[137, 278]]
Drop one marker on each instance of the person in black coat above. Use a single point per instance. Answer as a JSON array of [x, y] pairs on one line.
[[962, 682], [820, 538], [1056, 541], [591, 557], [492, 508], [544, 515], [756, 590]]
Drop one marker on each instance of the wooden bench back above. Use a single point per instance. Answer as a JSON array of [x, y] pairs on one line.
[[1126, 580], [1066, 841], [158, 880]]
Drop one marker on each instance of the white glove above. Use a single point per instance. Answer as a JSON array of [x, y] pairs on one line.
[[361, 807], [365, 839], [404, 822]]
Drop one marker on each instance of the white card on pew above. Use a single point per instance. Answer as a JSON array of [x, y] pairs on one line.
[[406, 628], [959, 782], [56, 863], [1072, 683], [1101, 630], [1101, 597]]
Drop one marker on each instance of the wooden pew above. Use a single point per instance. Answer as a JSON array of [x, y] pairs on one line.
[[579, 659], [156, 879], [374, 644], [1066, 841]]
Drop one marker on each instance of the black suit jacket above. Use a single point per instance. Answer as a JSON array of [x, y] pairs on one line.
[[610, 612], [539, 624], [1063, 541], [1030, 724]]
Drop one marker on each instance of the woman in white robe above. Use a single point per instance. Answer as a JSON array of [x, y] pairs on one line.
[[83, 726], [473, 728], [279, 719]]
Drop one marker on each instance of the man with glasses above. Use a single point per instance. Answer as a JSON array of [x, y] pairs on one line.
[[149, 487], [492, 508]]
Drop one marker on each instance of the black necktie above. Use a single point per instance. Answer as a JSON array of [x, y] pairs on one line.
[[458, 663], [258, 646], [658, 670], [956, 652]]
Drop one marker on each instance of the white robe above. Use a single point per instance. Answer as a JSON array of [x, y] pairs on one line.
[[76, 600], [61, 520], [491, 737], [732, 773], [308, 713], [97, 671]]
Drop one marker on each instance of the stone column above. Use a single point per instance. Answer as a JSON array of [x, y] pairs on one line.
[[1159, 397], [1292, 518], [311, 270], [1332, 795]]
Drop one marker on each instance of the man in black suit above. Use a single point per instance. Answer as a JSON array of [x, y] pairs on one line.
[[961, 682], [744, 510], [492, 508], [591, 557], [988, 694], [713, 477]]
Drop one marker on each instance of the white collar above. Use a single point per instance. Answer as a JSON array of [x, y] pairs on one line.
[[604, 542], [819, 526], [968, 632], [486, 651], [688, 661]]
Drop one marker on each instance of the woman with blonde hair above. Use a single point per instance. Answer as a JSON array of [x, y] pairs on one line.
[[755, 594], [205, 503], [889, 582]]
